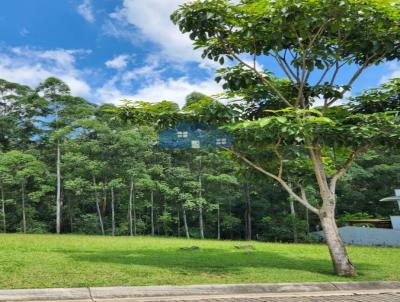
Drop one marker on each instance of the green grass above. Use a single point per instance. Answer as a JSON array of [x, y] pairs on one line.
[[29, 261]]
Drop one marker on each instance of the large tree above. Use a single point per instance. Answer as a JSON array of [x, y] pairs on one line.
[[321, 49], [20, 109], [63, 109], [21, 170]]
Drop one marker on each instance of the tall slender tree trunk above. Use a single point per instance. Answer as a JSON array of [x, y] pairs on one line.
[[3, 209], [303, 195], [71, 228], [179, 223], [58, 201], [156, 222], [23, 208], [185, 222], [96, 196], [230, 214], [218, 222], [165, 226], [294, 226], [340, 258], [112, 212], [308, 222], [104, 204], [152, 212], [134, 211], [201, 222], [248, 213], [131, 193]]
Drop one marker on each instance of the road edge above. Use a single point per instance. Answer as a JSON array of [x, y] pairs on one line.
[[190, 292]]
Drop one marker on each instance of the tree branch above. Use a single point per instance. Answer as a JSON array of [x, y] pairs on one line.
[[320, 173], [347, 164], [262, 78], [279, 156], [303, 193], [304, 75], [286, 68], [355, 76], [337, 68], [328, 67], [278, 179]]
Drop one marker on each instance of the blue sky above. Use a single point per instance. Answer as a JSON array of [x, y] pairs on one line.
[[108, 50]]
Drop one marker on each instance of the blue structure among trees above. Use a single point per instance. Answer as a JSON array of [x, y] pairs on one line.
[[194, 135]]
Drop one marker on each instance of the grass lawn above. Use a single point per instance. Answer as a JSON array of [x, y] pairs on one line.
[[28, 261]]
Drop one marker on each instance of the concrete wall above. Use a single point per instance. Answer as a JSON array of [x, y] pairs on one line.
[[368, 236], [395, 222]]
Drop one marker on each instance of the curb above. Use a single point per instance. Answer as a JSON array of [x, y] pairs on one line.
[[193, 291]]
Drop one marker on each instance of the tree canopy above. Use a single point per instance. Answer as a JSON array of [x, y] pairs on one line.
[[321, 48]]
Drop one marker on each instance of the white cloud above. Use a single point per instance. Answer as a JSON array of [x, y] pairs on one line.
[[119, 62], [149, 72], [176, 90], [393, 71], [30, 67], [146, 72], [120, 29], [86, 11], [60, 57], [152, 19], [24, 32], [170, 89], [146, 82]]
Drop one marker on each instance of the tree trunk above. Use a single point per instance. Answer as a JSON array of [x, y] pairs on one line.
[[303, 195], [230, 214], [341, 261], [165, 225], [179, 223], [185, 222], [201, 225], [58, 201], [104, 204], [248, 213], [152, 213], [98, 206], [156, 222], [218, 223], [293, 215], [201, 222], [134, 211], [130, 209], [23, 208], [71, 228], [112, 212], [3, 210]]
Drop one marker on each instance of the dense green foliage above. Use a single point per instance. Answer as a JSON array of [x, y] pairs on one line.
[[41, 261], [115, 171], [309, 42]]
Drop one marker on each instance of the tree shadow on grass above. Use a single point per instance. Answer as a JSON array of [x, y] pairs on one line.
[[216, 261]]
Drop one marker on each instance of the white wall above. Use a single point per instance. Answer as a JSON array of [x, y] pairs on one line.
[[368, 236]]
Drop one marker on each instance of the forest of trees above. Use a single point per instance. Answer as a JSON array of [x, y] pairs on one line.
[[71, 166]]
